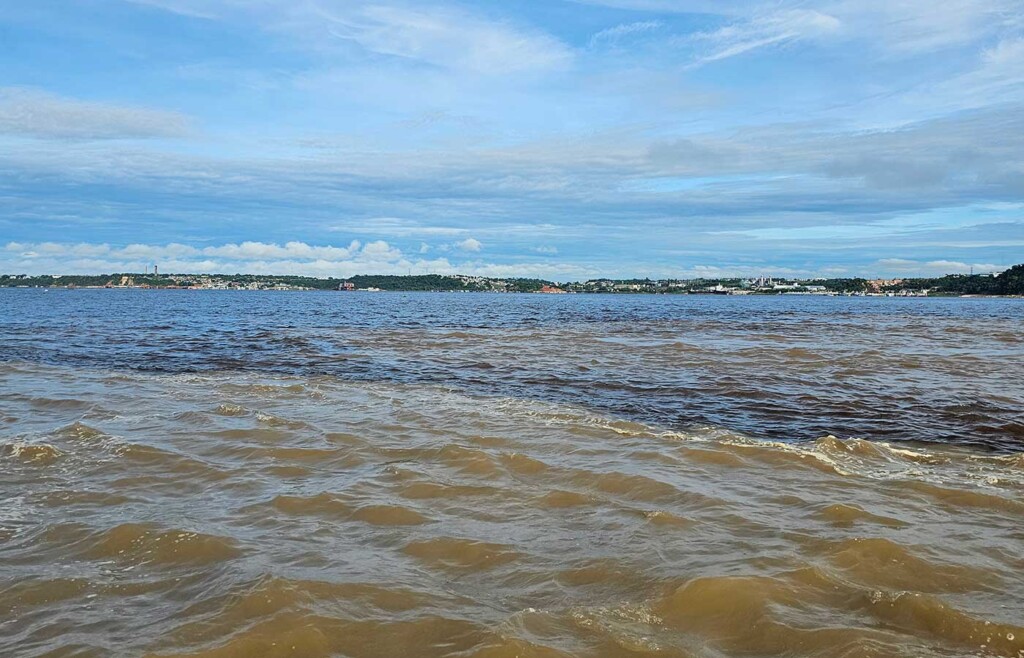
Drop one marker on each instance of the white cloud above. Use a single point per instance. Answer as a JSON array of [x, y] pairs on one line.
[[762, 30], [251, 258], [438, 35], [902, 27], [380, 251], [998, 76], [470, 244], [678, 6], [914, 26], [242, 252], [1007, 55], [446, 37], [299, 250], [908, 267], [397, 227], [614, 34], [173, 250], [555, 271], [34, 113], [191, 8], [546, 249]]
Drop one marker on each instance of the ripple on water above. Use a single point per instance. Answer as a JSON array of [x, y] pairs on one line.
[[137, 543], [427, 490], [323, 504], [846, 516], [523, 464], [295, 635], [16, 598], [879, 562], [746, 614], [451, 553], [385, 515], [920, 613], [559, 499], [508, 647], [631, 487]]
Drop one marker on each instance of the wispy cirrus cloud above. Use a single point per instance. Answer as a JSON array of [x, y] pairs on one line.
[[907, 27], [613, 35], [191, 8], [774, 28], [678, 6], [439, 34], [918, 26], [445, 37]]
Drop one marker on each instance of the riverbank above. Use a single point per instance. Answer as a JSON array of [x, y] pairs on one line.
[[1008, 283]]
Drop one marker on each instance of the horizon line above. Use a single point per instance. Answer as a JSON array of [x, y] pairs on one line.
[[723, 277]]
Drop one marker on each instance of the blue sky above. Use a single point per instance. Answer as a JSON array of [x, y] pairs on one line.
[[555, 138]]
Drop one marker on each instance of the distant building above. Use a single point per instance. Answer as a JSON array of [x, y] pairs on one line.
[[877, 285], [346, 285], [552, 290]]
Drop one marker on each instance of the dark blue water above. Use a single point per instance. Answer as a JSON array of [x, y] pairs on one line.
[[788, 367]]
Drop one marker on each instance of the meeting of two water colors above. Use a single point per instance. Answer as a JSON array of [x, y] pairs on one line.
[[315, 474]]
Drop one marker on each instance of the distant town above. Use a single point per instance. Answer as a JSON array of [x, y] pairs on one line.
[[1008, 283]]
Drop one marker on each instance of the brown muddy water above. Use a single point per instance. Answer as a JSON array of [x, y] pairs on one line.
[[169, 489]]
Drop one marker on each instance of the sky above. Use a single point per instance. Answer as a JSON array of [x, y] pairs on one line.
[[564, 139]]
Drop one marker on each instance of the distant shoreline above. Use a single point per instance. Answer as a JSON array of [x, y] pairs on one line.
[[1009, 283], [759, 295]]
